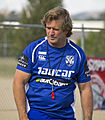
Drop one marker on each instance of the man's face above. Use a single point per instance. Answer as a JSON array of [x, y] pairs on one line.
[[56, 37]]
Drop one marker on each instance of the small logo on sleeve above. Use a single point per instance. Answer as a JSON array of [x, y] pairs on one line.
[[86, 69], [23, 61]]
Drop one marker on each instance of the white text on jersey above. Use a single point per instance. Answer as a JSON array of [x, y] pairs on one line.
[[54, 72]]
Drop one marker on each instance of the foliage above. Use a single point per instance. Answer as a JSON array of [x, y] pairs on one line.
[[95, 44], [33, 15], [1, 17], [18, 39]]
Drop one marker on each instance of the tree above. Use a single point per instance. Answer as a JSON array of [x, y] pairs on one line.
[[95, 44], [37, 9], [33, 14], [1, 18]]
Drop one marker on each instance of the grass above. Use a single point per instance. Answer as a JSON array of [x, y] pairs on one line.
[[7, 67]]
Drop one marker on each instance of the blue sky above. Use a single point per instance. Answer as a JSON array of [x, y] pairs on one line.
[[74, 6]]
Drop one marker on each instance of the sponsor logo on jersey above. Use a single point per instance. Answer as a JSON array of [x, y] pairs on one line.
[[42, 52], [69, 60], [23, 61], [54, 72], [42, 56], [52, 82]]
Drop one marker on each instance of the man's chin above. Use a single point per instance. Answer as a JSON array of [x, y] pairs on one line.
[[52, 42]]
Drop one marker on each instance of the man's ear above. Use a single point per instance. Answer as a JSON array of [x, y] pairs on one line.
[[66, 32]]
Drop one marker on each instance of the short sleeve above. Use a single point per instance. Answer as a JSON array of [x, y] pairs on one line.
[[25, 60], [83, 73]]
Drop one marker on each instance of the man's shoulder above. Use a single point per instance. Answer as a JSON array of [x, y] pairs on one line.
[[77, 49], [75, 46], [36, 43]]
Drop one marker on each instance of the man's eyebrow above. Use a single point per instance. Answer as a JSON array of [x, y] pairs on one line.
[[54, 28]]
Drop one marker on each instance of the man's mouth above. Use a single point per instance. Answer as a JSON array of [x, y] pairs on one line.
[[52, 38]]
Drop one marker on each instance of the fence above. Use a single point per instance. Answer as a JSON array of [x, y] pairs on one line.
[[8, 63]]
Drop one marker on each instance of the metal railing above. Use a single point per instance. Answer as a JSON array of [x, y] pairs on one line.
[[82, 28]]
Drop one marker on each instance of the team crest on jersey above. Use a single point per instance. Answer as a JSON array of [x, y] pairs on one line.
[[69, 60]]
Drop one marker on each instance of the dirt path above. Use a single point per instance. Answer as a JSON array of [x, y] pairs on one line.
[[8, 108]]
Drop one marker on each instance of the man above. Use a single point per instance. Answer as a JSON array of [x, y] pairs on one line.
[[47, 73]]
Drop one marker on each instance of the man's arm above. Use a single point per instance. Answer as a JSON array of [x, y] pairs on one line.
[[86, 100], [19, 82]]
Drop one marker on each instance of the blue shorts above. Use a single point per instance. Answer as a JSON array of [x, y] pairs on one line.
[[36, 115]]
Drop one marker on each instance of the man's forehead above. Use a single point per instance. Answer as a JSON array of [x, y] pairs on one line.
[[54, 23]]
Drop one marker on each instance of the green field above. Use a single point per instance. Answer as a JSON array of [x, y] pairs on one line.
[[7, 67]]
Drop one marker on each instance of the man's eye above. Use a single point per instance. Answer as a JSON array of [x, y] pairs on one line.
[[56, 29], [48, 28]]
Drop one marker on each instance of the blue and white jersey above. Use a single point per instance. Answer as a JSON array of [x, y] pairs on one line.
[[72, 69]]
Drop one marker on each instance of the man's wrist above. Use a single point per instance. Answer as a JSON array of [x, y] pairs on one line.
[[24, 117]]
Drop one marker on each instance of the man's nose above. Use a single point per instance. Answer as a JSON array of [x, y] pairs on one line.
[[52, 31]]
